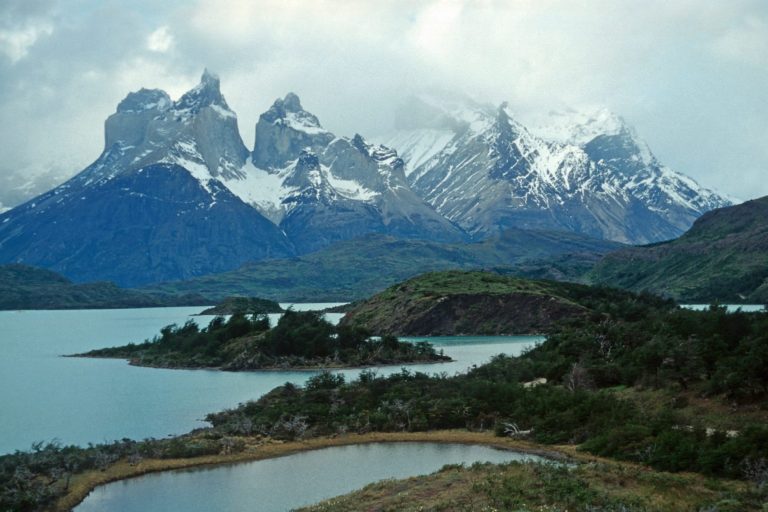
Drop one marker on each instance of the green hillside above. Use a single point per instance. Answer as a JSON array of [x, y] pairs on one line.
[[25, 287], [358, 268], [723, 257], [460, 302]]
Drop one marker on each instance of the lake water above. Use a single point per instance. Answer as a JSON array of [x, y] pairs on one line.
[[731, 308], [287, 482], [45, 397]]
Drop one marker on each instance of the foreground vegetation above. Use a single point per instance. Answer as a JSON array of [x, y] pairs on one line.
[[520, 486], [634, 379], [301, 339], [588, 366]]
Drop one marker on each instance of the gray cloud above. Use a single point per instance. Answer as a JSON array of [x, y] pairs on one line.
[[690, 76]]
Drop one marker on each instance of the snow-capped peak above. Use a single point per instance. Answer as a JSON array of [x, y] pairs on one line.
[[579, 127], [284, 131], [143, 100], [205, 94], [594, 127], [288, 112]]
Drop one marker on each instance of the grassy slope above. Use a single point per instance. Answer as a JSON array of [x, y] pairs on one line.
[[25, 287], [535, 487], [423, 296], [356, 269], [724, 257], [452, 488]]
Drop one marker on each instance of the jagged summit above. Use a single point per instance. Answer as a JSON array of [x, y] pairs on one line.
[[285, 130], [209, 77], [292, 103], [205, 94], [587, 172], [198, 132], [145, 99]]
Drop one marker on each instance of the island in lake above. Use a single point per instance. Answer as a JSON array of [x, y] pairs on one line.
[[301, 339], [245, 305]]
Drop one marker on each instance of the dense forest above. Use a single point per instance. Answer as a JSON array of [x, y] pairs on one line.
[[246, 342]]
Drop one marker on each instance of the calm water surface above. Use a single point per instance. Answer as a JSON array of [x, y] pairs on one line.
[[286, 482], [731, 308], [44, 396]]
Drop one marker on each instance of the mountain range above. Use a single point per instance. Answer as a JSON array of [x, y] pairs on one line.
[[176, 194], [588, 173]]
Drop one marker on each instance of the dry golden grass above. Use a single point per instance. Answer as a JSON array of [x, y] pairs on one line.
[[530, 487], [660, 491], [256, 449]]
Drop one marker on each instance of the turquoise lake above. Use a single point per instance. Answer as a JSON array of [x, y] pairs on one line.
[[46, 397]]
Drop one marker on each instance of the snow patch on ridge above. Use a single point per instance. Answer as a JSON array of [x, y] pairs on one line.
[[349, 188], [262, 189], [301, 123], [223, 112], [417, 146]]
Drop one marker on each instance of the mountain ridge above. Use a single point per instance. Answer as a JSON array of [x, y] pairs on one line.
[[591, 174], [376, 261], [724, 256], [302, 188]]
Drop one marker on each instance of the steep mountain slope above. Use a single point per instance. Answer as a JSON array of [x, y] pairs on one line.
[[152, 206], [355, 269], [321, 188], [589, 174], [724, 256], [152, 224], [176, 194]]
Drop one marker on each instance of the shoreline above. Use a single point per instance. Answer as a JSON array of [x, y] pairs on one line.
[[267, 368], [83, 484]]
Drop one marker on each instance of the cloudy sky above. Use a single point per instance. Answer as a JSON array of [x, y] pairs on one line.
[[691, 76]]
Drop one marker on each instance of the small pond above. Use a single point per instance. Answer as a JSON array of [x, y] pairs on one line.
[[286, 482]]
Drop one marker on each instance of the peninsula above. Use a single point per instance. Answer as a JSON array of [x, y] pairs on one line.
[[300, 340]]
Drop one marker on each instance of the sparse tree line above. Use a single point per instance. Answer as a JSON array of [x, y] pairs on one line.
[[33, 479]]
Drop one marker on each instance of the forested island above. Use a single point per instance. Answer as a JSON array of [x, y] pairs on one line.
[[244, 305], [301, 339]]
